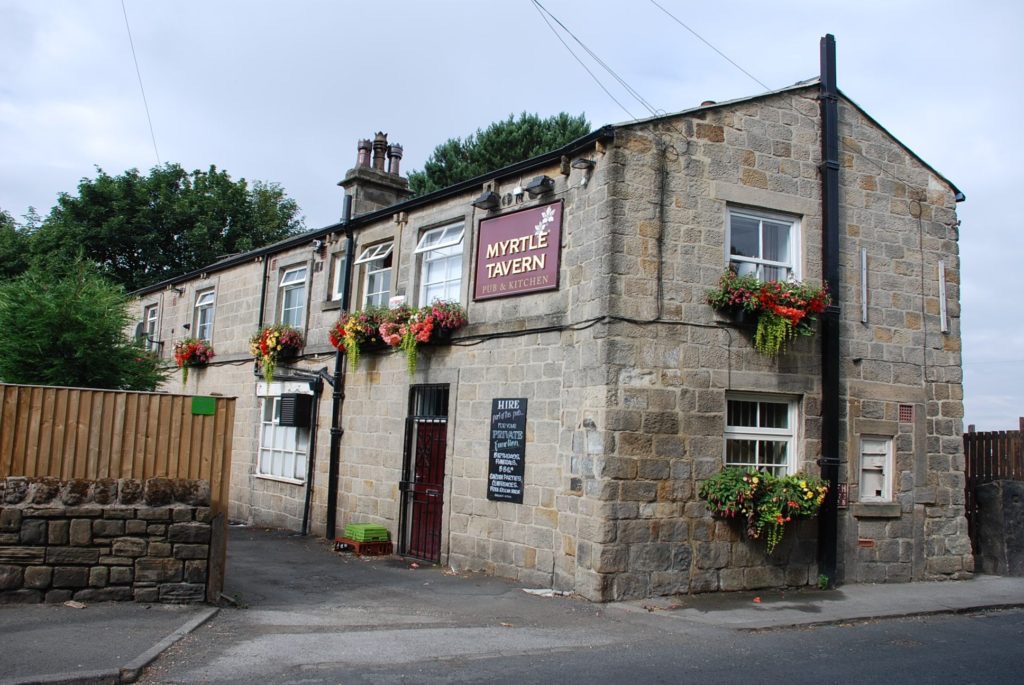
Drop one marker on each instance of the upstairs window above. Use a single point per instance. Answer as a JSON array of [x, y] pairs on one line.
[[759, 433], [440, 252], [338, 284], [293, 297], [204, 315], [763, 244], [376, 264], [150, 326]]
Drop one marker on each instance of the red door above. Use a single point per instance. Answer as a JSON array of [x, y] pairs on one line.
[[423, 487]]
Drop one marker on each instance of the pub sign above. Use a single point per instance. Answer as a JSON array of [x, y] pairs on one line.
[[518, 253]]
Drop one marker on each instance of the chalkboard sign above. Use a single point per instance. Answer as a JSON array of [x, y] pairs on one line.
[[506, 463]]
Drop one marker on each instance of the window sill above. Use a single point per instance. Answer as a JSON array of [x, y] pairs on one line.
[[329, 305], [279, 479], [876, 510]]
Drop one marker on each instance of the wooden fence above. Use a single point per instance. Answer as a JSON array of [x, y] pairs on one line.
[[991, 455], [91, 434]]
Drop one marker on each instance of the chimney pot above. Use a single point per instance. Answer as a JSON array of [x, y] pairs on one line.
[[380, 146], [363, 156], [394, 158]]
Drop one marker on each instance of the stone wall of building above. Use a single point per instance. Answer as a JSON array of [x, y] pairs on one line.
[[104, 540]]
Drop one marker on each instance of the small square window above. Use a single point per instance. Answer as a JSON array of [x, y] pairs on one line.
[[875, 469]]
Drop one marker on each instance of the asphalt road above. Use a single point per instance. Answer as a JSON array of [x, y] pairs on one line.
[[307, 615]]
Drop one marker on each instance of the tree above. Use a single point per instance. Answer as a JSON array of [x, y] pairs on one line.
[[13, 248], [71, 330], [140, 230], [500, 144]]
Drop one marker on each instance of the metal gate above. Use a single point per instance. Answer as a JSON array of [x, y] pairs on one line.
[[426, 441]]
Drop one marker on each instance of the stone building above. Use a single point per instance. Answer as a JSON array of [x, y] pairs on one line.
[[584, 274]]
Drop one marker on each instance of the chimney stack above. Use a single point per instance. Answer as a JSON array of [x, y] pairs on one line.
[[370, 185]]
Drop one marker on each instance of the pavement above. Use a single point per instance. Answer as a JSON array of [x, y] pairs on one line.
[[306, 586]]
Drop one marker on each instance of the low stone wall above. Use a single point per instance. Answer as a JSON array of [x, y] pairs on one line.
[[147, 541]]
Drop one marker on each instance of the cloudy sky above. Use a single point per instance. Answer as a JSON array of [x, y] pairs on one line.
[[281, 92]]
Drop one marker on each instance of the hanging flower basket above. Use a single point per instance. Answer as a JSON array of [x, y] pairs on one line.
[[274, 344], [764, 502], [191, 353], [403, 327], [782, 310]]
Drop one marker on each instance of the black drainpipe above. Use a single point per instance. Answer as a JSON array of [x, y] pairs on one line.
[[339, 381], [263, 304], [828, 537], [317, 387]]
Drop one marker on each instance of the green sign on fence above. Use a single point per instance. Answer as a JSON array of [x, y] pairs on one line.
[[204, 406]]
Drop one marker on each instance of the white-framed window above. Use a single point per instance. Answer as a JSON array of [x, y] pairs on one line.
[[151, 326], [440, 251], [293, 297], [875, 468], [376, 264], [204, 314], [283, 449], [764, 244], [760, 432], [338, 284]]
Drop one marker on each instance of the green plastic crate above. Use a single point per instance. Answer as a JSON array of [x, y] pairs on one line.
[[367, 532]]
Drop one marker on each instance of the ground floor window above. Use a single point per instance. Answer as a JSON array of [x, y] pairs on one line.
[[283, 449], [759, 433]]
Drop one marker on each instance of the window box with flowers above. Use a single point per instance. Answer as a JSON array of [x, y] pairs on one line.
[[191, 353], [782, 310], [765, 503], [274, 344], [403, 327]]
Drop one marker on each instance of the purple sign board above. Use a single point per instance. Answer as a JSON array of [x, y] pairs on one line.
[[518, 253]]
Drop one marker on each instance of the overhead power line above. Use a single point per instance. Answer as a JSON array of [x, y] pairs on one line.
[[701, 38], [138, 72], [629, 89]]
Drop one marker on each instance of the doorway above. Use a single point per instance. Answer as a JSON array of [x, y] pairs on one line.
[[422, 485]]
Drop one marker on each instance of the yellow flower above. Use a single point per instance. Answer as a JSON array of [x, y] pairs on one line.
[[754, 480], [803, 484]]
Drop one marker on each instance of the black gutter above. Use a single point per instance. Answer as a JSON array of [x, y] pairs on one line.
[[604, 133], [338, 396], [828, 519]]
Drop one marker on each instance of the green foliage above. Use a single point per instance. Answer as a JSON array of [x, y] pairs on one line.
[[140, 230], [13, 248], [70, 329], [766, 502], [500, 144]]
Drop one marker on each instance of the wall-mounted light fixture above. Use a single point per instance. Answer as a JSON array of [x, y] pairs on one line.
[[487, 201], [179, 291], [587, 166], [540, 185]]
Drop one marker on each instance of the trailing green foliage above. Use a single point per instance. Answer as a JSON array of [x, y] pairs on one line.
[[500, 144], [70, 329]]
